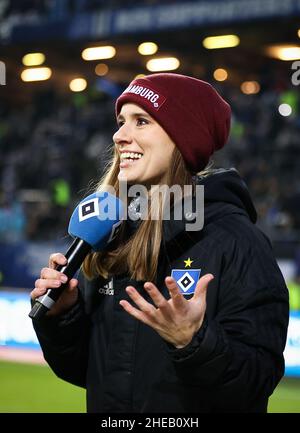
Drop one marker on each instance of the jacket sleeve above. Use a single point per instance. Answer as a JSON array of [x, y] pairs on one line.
[[64, 342], [237, 355]]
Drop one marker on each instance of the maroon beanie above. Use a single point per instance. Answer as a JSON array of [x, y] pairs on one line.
[[191, 111]]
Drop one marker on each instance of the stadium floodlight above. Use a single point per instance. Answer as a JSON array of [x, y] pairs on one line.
[[33, 59], [284, 52], [98, 53], [36, 74], [163, 64], [147, 48], [285, 110], [78, 84], [101, 69], [220, 74], [250, 87], [139, 76], [224, 41]]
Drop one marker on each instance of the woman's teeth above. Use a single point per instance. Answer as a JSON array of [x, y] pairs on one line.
[[130, 156]]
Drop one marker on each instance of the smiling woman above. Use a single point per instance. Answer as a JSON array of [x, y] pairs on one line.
[[165, 320]]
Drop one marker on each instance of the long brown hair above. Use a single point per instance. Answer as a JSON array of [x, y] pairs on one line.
[[138, 255]]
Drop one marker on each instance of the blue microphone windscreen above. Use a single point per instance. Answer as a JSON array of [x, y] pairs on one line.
[[97, 219]]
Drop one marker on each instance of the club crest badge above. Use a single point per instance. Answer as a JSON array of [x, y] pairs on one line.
[[186, 279], [88, 209]]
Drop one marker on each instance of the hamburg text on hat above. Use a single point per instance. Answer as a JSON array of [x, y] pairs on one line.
[[153, 97]]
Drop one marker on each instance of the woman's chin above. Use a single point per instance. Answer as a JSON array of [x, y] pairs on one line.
[[126, 177]]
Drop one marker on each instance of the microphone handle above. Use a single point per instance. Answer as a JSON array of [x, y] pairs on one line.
[[75, 256]]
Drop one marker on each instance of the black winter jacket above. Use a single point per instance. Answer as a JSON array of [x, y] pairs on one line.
[[235, 360]]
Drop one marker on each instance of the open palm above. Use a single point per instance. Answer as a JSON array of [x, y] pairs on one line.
[[177, 319]]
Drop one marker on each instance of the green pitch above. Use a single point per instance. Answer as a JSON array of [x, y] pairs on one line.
[[286, 397], [34, 388]]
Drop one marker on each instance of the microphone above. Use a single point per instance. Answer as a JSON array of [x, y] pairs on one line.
[[94, 224]]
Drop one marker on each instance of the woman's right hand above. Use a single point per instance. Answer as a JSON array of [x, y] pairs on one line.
[[52, 279]]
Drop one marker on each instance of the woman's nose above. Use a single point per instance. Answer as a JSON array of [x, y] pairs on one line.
[[122, 135]]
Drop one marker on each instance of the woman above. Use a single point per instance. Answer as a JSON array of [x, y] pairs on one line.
[[140, 330]]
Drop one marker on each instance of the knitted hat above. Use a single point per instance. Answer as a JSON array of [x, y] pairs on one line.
[[191, 111]]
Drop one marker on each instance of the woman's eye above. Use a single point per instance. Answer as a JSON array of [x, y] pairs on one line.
[[141, 121], [120, 123]]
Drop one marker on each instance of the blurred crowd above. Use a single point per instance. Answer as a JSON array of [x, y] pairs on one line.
[[54, 149], [50, 151], [264, 147]]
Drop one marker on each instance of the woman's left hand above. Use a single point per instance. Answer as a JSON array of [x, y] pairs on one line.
[[176, 319]]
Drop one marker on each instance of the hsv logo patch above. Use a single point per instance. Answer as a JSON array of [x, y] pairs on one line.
[[151, 97], [88, 209], [186, 279]]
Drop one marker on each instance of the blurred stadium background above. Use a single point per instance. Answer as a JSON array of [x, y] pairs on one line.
[[57, 120]]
